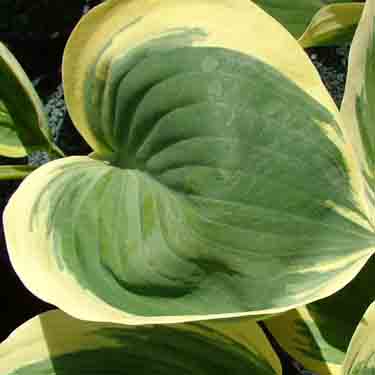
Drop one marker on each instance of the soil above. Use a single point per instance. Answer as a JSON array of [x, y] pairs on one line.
[[18, 304]]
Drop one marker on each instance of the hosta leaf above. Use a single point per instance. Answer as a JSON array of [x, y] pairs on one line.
[[358, 107], [315, 21], [333, 24], [361, 354], [54, 343], [220, 171], [29, 123], [10, 143], [318, 335]]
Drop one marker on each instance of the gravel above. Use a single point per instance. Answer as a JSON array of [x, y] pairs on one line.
[[56, 111], [331, 62]]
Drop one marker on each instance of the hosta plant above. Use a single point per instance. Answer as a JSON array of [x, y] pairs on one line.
[[224, 187], [23, 123], [221, 167]]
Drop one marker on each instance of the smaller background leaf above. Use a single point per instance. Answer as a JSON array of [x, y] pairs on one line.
[[296, 15], [10, 143], [23, 104], [360, 359], [333, 25], [318, 334], [15, 172]]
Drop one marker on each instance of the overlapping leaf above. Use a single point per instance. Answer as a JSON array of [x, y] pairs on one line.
[[318, 335], [333, 25], [359, 98], [54, 343], [221, 170], [361, 354]]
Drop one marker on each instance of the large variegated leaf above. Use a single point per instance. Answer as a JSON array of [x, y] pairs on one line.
[[24, 127], [360, 359], [55, 344], [316, 22], [220, 171], [318, 334]]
